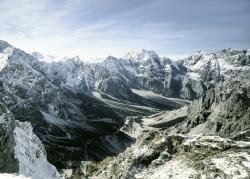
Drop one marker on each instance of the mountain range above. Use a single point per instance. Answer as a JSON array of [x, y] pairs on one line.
[[140, 116]]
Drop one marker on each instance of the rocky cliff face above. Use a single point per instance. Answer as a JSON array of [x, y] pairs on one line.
[[223, 110], [21, 151]]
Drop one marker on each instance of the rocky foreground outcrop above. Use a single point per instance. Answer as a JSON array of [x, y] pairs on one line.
[[158, 155], [207, 139], [21, 151]]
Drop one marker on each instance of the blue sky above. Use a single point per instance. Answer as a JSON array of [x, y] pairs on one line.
[[98, 28]]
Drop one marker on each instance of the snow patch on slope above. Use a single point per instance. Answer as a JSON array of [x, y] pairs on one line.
[[4, 57], [151, 95], [174, 169], [194, 76], [231, 168]]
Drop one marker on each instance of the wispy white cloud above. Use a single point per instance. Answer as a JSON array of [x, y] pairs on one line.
[[96, 28]]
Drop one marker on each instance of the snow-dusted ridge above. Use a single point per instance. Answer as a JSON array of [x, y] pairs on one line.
[[150, 72]]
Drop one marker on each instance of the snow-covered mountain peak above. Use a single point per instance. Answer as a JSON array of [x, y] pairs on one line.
[[200, 57], [141, 55], [76, 58], [4, 45], [110, 61]]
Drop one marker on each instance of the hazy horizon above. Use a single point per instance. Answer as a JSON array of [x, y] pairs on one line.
[[95, 59], [97, 29]]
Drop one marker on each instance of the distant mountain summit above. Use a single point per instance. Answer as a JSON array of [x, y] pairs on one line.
[[141, 55], [4, 45]]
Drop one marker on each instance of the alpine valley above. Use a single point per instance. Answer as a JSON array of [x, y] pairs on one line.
[[140, 116]]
